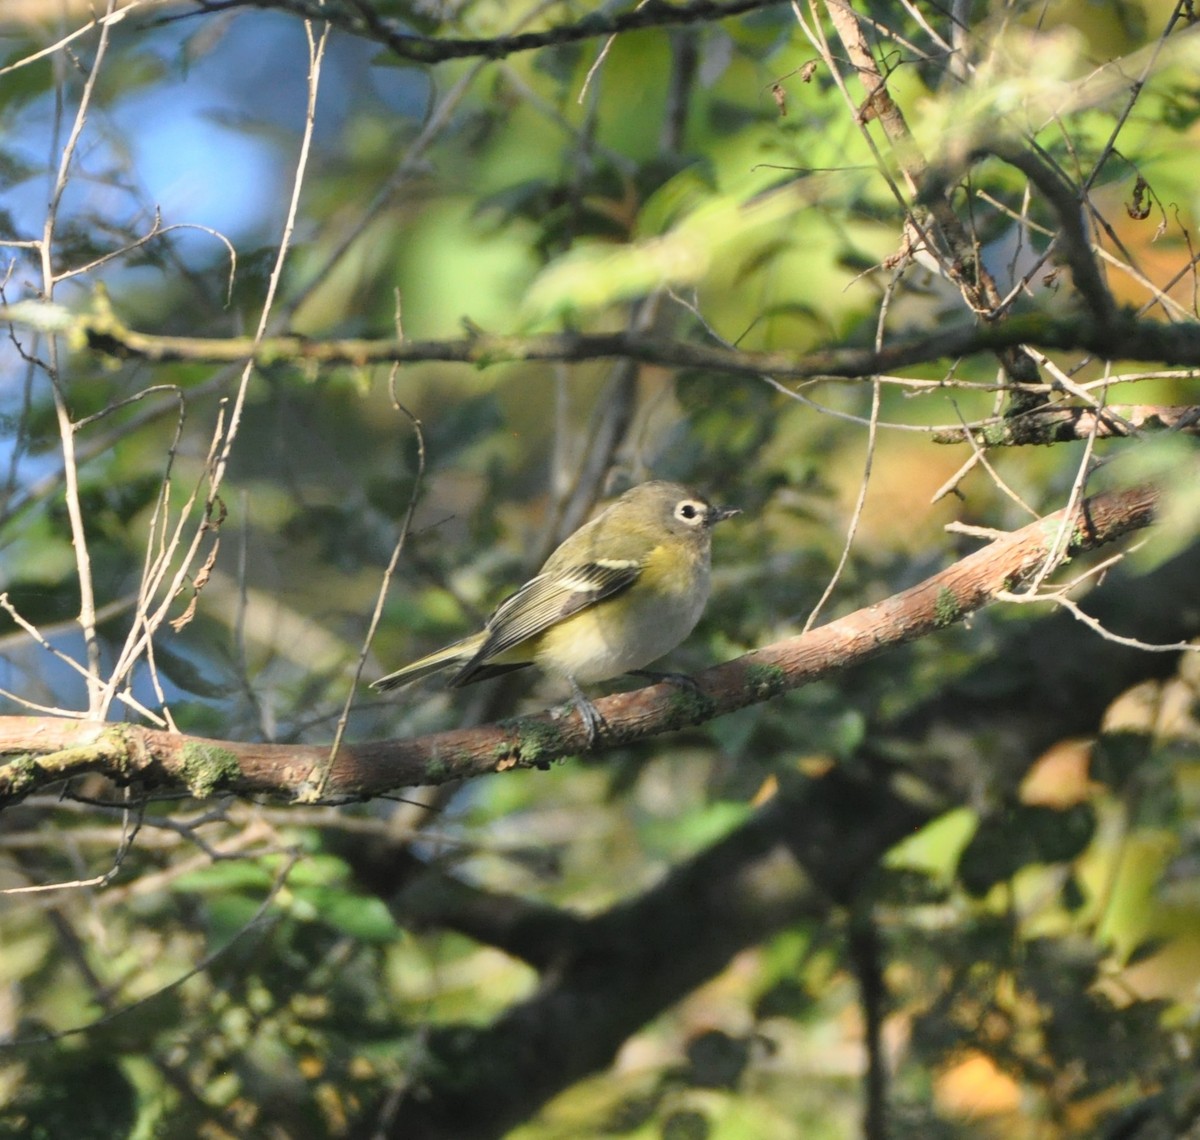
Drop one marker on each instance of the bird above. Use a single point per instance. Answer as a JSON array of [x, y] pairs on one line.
[[619, 593]]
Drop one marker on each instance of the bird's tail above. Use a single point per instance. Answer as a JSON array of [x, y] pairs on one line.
[[457, 654]]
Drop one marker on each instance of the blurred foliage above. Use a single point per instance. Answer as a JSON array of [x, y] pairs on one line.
[[241, 973]]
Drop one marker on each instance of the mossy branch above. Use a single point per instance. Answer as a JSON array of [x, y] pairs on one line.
[[46, 751]]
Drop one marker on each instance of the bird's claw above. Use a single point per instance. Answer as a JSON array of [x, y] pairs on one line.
[[588, 713]]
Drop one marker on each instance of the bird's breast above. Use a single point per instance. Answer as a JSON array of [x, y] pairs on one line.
[[628, 631]]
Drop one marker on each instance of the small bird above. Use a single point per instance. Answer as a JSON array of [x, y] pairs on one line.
[[620, 592]]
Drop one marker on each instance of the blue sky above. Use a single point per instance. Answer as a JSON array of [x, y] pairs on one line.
[[199, 118], [207, 128]]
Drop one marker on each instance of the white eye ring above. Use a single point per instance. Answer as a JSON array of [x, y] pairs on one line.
[[691, 512]]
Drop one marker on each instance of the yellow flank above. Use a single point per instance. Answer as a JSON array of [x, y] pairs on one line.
[[632, 628]]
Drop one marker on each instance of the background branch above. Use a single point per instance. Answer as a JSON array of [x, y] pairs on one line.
[[362, 20], [1138, 338]]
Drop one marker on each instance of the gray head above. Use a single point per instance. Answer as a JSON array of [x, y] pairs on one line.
[[671, 505]]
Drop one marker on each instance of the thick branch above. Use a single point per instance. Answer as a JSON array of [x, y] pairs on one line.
[[52, 749], [1126, 337], [637, 959], [426, 895]]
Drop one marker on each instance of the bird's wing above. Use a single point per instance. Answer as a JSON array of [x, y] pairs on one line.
[[455, 654], [546, 600]]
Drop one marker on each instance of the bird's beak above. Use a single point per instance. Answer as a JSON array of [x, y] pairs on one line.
[[720, 514]]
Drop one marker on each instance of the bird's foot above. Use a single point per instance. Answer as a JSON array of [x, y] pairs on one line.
[[588, 713]]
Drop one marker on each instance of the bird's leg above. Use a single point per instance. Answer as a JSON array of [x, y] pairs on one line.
[[588, 713]]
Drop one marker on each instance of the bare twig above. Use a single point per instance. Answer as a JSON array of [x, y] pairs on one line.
[[66, 429]]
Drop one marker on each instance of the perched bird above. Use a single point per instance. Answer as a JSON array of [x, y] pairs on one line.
[[623, 590]]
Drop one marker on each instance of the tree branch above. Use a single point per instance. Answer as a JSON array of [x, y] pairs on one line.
[[1126, 337], [425, 895], [1072, 424], [50, 750], [931, 220], [634, 961], [366, 23]]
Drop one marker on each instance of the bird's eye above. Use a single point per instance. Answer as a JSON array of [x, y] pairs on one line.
[[689, 511]]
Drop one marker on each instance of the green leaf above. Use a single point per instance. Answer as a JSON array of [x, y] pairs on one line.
[[360, 916], [1021, 835], [227, 875]]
